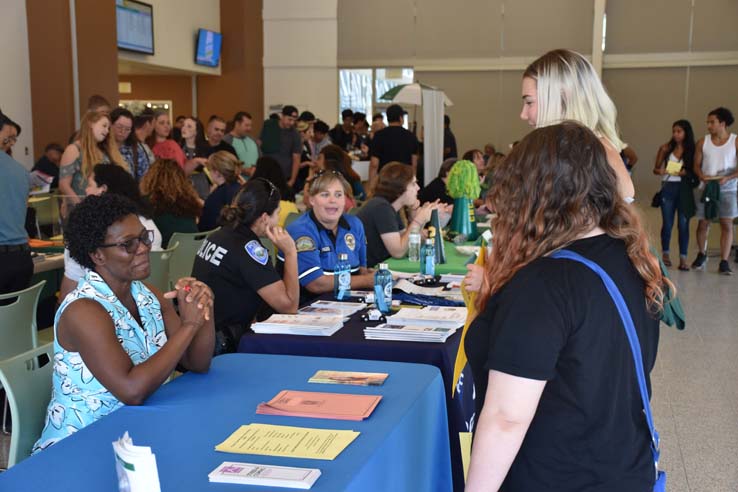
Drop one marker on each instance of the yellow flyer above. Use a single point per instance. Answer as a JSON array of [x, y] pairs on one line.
[[290, 442], [673, 168]]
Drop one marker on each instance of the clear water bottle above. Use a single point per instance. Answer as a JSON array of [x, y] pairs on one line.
[[383, 288], [413, 245], [342, 278], [428, 257]]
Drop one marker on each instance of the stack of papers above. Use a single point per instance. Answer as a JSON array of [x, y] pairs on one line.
[[348, 377], [338, 406], [348, 308], [299, 324], [408, 333], [289, 442], [264, 475], [136, 466], [437, 316]]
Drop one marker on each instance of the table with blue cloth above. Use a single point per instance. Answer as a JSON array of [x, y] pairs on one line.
[[403, 445], [349, 342]]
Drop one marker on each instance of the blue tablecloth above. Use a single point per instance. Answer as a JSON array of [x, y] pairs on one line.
[[349, 342], [403, 445]]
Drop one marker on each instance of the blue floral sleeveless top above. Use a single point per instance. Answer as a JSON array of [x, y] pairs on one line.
[[77, 397]]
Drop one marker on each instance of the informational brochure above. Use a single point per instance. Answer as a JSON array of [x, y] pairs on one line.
[[135, 466], [347, 377], [443, 316], [312, 404], [264, 475], [288, 442], [299, 324]]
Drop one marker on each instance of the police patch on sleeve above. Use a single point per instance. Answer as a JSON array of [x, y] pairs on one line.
[[350, 241], [304, 243], [256, 251]]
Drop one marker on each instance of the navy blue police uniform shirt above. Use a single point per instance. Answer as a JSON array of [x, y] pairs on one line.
[[318, 248], [235, 265]]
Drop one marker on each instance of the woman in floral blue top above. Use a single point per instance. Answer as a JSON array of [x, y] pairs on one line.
[[117, 339]]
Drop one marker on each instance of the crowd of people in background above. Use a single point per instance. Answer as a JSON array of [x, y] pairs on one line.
[[146, 178]]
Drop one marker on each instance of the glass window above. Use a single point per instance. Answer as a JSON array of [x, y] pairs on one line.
[[355, 90], [387, 78]]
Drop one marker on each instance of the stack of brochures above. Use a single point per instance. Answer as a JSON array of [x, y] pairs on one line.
[[136, 466], [264, 475], [438, 316], [349, 377], [311, 404], [408, 333], [299, 324]]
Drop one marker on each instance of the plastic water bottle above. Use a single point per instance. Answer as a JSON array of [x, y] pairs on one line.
[[413, 245], [428, 258], [383, 288], [342, 278]]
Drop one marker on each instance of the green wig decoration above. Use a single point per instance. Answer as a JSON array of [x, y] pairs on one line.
[[463, 181], [463, 186]]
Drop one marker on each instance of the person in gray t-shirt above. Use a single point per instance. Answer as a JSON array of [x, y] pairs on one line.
[[282, 142]]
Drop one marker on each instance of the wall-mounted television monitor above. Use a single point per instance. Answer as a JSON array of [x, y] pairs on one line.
[[207, 51], [135, 23]]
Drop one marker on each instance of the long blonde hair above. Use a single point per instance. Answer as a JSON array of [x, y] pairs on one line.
[[93, 152], [555, 186], [568, 88]]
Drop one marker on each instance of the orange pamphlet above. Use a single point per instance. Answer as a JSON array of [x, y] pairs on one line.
[[338, 406]]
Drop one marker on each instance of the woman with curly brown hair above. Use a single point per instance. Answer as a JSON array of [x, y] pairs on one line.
[[558, 402], [174, 203]]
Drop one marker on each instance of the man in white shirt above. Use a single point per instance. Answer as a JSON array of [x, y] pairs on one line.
[[715, 160]]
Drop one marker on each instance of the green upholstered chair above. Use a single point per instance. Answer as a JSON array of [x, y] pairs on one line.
[[28, 387]]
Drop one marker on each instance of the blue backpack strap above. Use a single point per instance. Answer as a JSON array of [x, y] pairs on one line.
[[635, 345]]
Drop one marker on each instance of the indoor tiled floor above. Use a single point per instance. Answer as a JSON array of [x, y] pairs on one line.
[[695, 381]]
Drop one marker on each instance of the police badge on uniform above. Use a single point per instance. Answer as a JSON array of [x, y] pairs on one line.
[[350, 241], [257, 252], [304, 243]]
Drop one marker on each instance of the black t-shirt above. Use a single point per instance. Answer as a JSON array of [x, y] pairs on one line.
[[223, 145], [378, 218], [394, 143], [555, 321], [235, 265], [436, 190]]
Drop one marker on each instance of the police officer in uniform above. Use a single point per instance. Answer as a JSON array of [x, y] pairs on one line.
[[235, 264], [325, 232]]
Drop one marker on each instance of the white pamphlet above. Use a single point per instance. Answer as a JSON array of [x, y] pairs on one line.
[[136, 467], [264, 475]]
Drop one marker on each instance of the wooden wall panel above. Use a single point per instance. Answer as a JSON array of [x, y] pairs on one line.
[[50, 53], [240, 87], [97, 51]]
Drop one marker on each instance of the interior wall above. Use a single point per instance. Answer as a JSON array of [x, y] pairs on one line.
[[51, 72], [477, 58], [240, 87], [15, 83], [175, 33], [175, 88], [97, 52], [300, 53]]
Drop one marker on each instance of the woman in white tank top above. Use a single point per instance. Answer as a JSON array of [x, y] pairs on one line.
[[674, 163]]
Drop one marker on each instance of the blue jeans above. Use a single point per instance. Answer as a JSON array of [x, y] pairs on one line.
[[669, 206]]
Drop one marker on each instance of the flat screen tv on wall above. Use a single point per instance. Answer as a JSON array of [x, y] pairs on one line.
[[135, 21], [207, 51]]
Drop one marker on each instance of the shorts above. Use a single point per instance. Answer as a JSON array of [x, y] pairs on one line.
[[727, 208]]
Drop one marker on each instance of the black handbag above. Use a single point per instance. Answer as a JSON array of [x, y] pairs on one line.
[[656, 200]]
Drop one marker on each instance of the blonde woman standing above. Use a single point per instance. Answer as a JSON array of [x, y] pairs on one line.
[[95, 145], [562, 85]]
